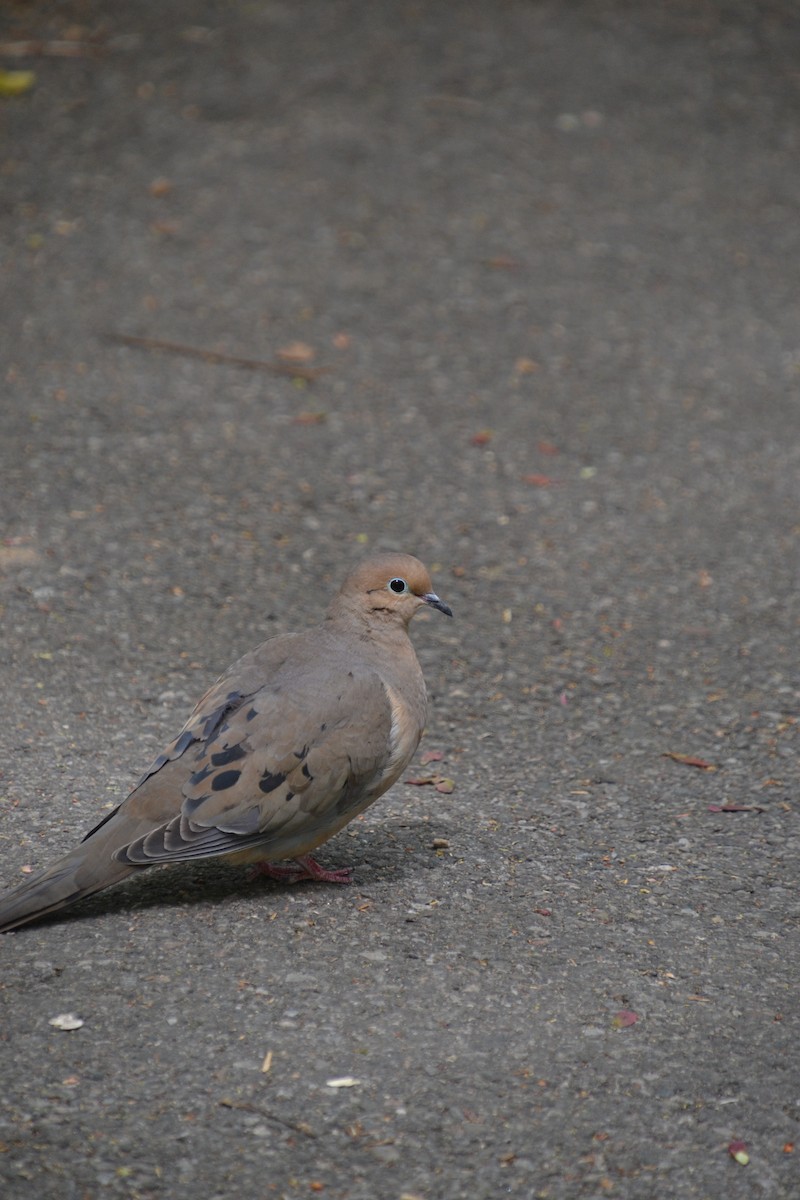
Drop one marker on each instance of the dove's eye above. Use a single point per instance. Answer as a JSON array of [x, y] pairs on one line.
[[398, 586]]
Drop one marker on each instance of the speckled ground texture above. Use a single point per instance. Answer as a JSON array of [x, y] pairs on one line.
[[548, 257]]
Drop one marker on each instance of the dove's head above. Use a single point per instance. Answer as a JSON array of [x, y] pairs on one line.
[[389, 585]]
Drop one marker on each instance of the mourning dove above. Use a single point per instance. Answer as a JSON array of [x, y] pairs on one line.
[[290, 744]]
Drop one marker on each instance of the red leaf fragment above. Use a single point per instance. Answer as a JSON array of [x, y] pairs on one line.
[[310, 418], [738, 1151], [481, 438], [439, 782], [625, 1018], [502, 262], [539, 481], [689, 760], [431, 756]]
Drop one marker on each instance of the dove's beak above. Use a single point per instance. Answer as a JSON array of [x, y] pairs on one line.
[[434, 601]]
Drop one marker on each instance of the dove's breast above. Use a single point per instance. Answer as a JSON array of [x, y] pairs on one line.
[[406, 730]]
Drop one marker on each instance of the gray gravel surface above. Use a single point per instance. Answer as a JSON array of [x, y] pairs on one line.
[[547, 254]]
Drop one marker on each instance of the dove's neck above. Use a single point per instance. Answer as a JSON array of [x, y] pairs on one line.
[[383, 644], [381, 636], [378, 623]]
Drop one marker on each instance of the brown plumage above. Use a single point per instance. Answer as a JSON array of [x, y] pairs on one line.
[[290, 744]]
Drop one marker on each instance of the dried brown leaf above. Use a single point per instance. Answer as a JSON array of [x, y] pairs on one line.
[[297, 352]]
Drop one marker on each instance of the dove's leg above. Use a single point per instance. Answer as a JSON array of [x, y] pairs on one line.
[[302, 868]]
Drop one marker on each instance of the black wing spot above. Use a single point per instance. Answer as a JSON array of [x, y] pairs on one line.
[[253, 712], [301, 753], [269, 781], [229, 755], [201, 776], [305, 771], [289, 796], [225, 779]]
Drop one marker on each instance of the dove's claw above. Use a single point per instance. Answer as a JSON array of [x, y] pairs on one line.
[[302, 868]]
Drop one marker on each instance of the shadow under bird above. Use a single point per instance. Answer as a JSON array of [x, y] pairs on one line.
[[292, 742]]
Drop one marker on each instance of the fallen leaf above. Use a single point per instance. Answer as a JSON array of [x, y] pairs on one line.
[[431, 756], [17, 556], [526, 366], [160, 187], [267, 1063], [65, 1021], [547, 448], [689, 760], [481, 438], [16, 83], [624, 1019], [310, 418], [502, 262], [297, 352], [342, 341], [345, 1081], [439, 782], [165, 228], [539, 481], [738, 1151]]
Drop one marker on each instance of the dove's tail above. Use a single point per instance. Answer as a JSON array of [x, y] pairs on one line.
[[88, 868]]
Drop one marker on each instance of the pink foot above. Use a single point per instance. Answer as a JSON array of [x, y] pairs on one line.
[[305, 867]]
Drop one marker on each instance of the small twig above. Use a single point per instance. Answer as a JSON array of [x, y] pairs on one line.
[[49, 49], [718, 808], [293, 370], [295, 1126]]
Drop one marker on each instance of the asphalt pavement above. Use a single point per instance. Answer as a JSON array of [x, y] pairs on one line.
[[513, 287]]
